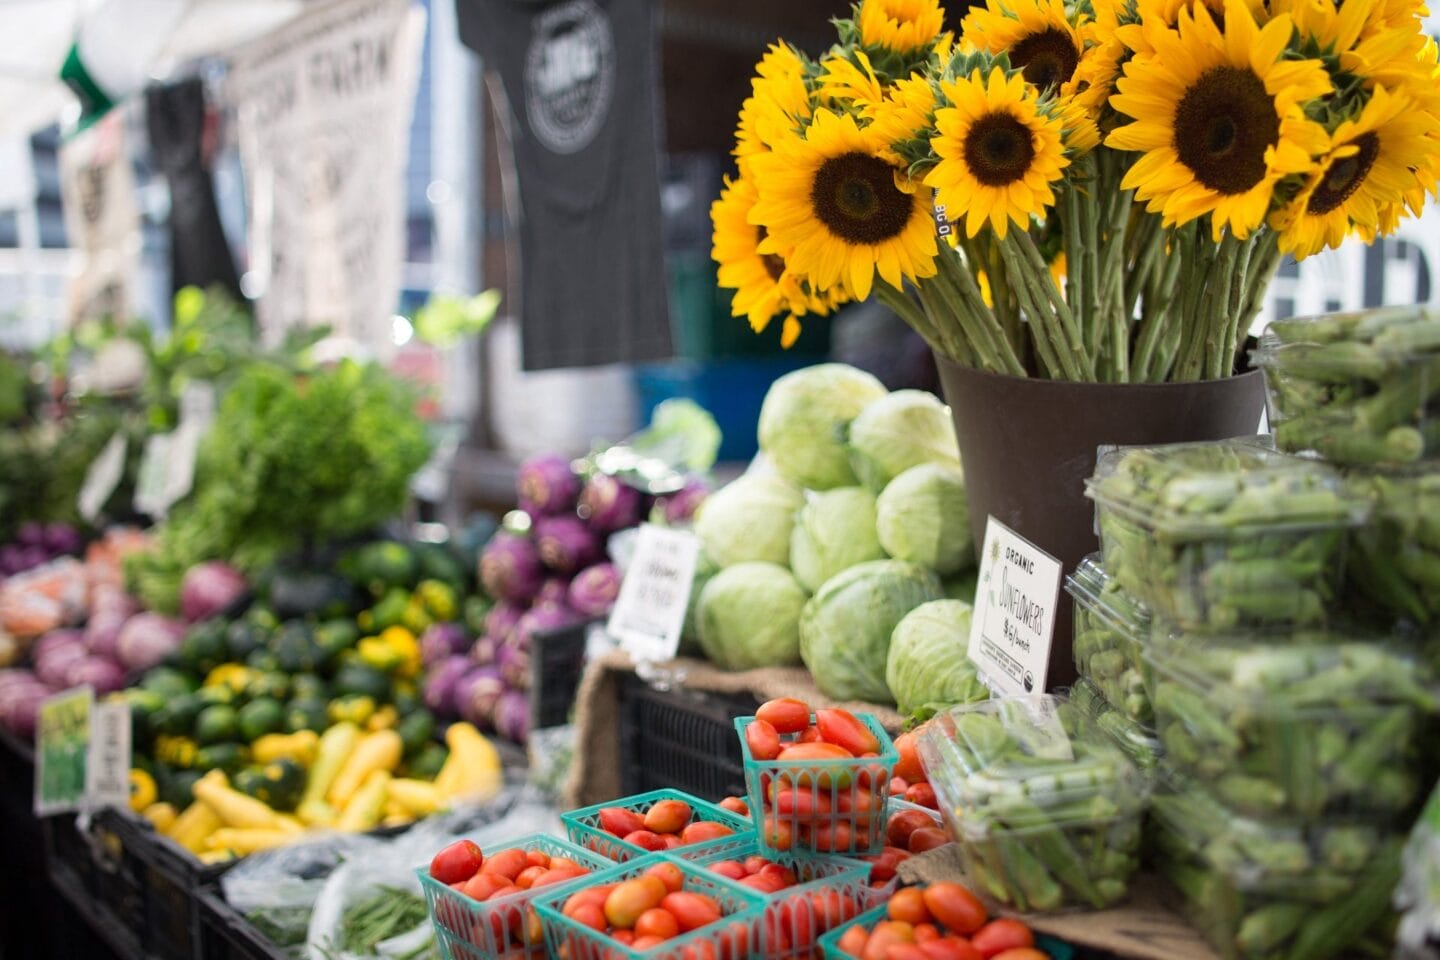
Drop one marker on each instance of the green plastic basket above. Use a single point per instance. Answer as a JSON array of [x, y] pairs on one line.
[[830, 891], [830, 943], [583, 825], [737, 935], [467, 929], [853, 793]]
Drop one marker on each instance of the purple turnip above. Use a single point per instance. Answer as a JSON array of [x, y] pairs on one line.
[[105, 676], [20, 707], [209, 589], [512, 716], [500, 621], [513, 661], [546, 486], [680, 507], [476, 694], [608, 505], [441, 640], [482, 651], [566, 544], [541, 619], [440, 685], [62, 538], [510, 568], [53, 666], [594, 589], [555, 590], [146, 639], [64, 637]]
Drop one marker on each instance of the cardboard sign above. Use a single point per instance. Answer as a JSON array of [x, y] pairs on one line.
[[650, 610], [1016, 599]]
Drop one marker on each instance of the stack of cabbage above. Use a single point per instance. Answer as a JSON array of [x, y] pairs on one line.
[[855, 519]]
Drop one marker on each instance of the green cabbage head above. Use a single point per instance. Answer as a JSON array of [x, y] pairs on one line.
[[895, 433], [834, 530], [804, 418], [922, 517], [928, 668], [846, 627], [750, 617], [750, 519]]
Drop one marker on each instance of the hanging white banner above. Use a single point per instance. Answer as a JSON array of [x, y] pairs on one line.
[[324, 107]]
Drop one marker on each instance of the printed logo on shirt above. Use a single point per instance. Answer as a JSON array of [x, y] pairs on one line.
[[569, 75]]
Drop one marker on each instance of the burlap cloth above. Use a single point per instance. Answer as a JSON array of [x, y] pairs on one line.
[[595, 770], [1142, 929]]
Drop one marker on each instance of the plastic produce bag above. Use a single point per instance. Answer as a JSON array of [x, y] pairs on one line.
[[1418, 896]]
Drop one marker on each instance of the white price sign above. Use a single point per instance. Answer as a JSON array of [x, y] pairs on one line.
[[107, 765], [1014, 620], [650, 610]]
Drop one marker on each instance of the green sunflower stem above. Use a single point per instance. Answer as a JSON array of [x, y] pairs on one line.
[[1050, 341], [1198, 313], [1158, 309], [949, 329], [1222, 363], [1078, 236], [1078, 364], [1001, 295], [961, 294], [913, 315]]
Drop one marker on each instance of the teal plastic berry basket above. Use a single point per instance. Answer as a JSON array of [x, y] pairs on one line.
[[467, 929], [584, 827], [829, 891], [737, 935], [830, 943], [838, 805]]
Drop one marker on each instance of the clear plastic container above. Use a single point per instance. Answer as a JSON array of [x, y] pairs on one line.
[[1044, 805], [1139, 741], [1275, 890], [1215, 536], [1301, 730], [1357, 388], [1110, 628], [1395, 558]]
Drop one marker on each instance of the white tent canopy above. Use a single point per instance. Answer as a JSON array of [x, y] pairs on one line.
[[36, 35]]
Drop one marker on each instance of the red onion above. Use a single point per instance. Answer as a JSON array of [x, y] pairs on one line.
[[554, 590], [513, 662], [512, 716], [148, 638], [510, 568], [102, 634], [20, 707], [62, 538], [566, 544], [482, 651], [594, 589], [54, 664], [106, 676], [64, 637], [608, 505], [546, 486], [681, 506], [440, 685], [209, 589]]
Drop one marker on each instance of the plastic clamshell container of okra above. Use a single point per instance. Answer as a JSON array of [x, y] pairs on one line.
[[827, 892], [467, 929], [1361, 389], [739, 934], [1045, 806], [1110, 628], [1395, 558], [1339, 729], [1216, 536], [835, 806], [1268, 890], [585, 826], [1139, 742]]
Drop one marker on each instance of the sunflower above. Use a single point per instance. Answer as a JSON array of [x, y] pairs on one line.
[[829, 199], [902, 27], [851, 83], [763, 285], [780, 101], [998, 152], [1218, 119], [1370, 166], [1037, 34], [906, 114], [1145, 23]]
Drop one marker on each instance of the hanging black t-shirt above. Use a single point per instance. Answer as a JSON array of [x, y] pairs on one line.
[[580, 79]]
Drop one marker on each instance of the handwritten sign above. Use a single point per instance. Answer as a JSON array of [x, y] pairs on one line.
[[62, 737], [650, 610], [1014, 620]]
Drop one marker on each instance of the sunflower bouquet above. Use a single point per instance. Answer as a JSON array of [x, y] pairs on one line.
[[1098, 190]]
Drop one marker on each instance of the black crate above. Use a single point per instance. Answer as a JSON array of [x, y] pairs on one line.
[[557, 660], [134, 877], [226, 935], [682, 739]]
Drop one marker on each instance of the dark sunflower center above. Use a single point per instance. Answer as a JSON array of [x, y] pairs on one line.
[[1344, 176], [1047, 58], [856, 197], [998, 149], [1223, 125]]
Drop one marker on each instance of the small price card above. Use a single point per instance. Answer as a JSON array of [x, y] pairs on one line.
[[1014, 619], [82, 753], [650, 610], [107, 761]]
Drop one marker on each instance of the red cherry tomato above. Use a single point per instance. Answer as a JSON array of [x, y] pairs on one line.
[[958, 910], [620, 821], [645, 840], [1000, 935], [702, 831], [657, 923], [904, 823], [736, 805], [852, 941], [843, 728], [909, 767], [1022, 953], [762, 740], [928, 838], [669, 875], [923, 795], [458, 862], [691, 910]]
